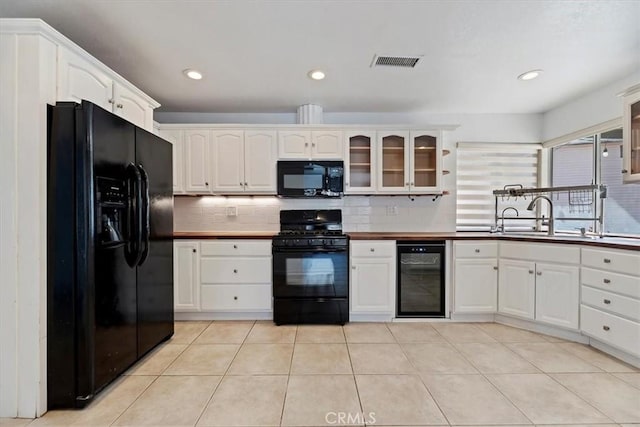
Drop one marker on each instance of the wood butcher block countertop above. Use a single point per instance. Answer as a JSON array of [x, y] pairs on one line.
[[606, 242]]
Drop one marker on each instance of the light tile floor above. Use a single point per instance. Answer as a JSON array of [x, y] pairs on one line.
[[259, 374]]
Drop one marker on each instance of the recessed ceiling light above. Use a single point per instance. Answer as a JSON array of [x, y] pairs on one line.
[[529, 75], [193, 74], [316, 74]]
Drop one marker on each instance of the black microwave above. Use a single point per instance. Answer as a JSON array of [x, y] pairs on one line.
[[310, 178]]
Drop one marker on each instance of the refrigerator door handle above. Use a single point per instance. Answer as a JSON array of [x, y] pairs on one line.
[[145, 214], [133, 252]]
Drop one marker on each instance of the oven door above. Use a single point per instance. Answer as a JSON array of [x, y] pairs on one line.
[[310, 273]]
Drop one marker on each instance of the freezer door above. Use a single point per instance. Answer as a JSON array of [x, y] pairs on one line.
[[106, 189], [155, 270]]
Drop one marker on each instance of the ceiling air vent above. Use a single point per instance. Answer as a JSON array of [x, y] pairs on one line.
[[395, 61]]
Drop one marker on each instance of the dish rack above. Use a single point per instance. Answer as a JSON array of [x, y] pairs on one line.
[[579, 199]]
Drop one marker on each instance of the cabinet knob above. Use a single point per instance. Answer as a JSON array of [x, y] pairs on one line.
[[346, 184], [194, 251], [624, 171], [235, 270], [313, 144], [119, 106], [235, 298], [372, 249], [406, 184], [206, 183], [412, 184], [607, 261], [235, 246], [241, 184], [477, 251], [495, 267], [530, 271], [306, 144], [110, 101], [606, 281], [607, 301], [605, 327], [245, 184], [539, 273], [353, 267]]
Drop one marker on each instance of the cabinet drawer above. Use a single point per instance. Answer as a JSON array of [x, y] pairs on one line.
[[476, 249], [608, 328], [224, 270], [551, 252], [236, 248], [236, 297], [614, 303], [617, 261], [614, 282], [373, 248]]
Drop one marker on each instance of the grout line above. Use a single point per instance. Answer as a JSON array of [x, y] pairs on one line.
[[135, 400], [577, 395]]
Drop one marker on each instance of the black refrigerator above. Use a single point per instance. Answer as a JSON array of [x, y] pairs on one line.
[[109, 249]]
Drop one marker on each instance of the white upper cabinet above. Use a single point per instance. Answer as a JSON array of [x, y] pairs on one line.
[[359, 162], [294, 144], [260, 157], [227, 159], [305, 144], [80, 78], [409, 162], [175, 137], [196, 153], [393, 162], [425, 155], [631, 137], [131, 106], [326, 144]]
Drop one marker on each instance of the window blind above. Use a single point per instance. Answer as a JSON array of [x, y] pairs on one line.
[[482, 168]]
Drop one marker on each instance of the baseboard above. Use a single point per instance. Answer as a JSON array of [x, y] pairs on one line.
[[530, 325], [225, 315], [370, 317], [624, 356], [473, 317]]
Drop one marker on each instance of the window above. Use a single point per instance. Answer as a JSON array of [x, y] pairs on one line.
[[482, 168], [595, 159]]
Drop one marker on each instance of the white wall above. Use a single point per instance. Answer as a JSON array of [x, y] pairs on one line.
[[27, 85], [589, 110]]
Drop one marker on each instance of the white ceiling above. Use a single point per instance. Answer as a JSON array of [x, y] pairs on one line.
[[255, 55]]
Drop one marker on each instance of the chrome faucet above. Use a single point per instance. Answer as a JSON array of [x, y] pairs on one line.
[[502, 216], [530, 208]]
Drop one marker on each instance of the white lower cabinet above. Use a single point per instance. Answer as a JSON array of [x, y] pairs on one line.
[[538, 286], [558, 294], [236, 276], [475, 287], [223, 276], [373, 278], [186, 275], [610, 310], [517, 288]]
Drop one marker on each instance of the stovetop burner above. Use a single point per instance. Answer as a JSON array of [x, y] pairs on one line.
[[320, 229], [311, 233]]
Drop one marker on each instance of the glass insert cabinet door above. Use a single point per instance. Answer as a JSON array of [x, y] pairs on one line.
[[394, 161], [425, 171], [360, 163], [631, 136]]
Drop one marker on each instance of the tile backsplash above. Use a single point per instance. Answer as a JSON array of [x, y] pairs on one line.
[[359, 213]]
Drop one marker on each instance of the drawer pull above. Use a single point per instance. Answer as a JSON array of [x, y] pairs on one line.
[[530, 271], [607, 261], [607, 281], [539, 273], [372, 249], [607, 301], [235, 270], [235, 298], [235, 246], [194, 251], [606, 328], [495, 267], [477, 251]]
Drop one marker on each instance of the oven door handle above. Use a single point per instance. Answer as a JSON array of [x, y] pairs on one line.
[[306, 250]]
